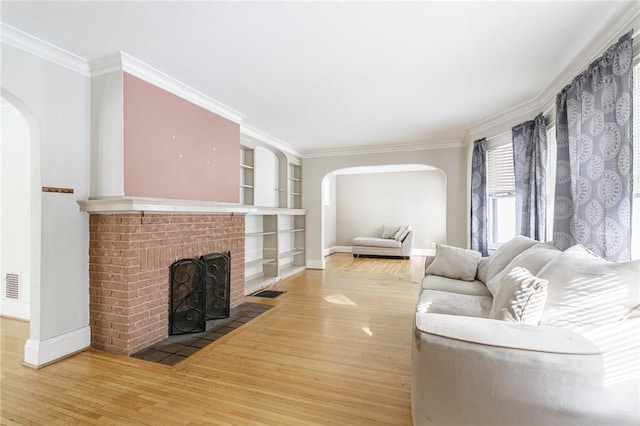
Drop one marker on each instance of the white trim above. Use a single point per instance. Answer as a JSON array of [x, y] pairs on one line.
[[315, 264], [252, 132], [40, 353], [383, 149], [15, 309], [506, 119], [127, 63], [42, 49], [160, 205], [337, 249], [423, 252], [622, 21]]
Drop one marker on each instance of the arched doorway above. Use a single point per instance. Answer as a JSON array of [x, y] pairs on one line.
[[20, 213], [359, 200]]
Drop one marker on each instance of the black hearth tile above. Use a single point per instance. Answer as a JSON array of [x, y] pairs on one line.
[[225, 330], [155, 356], [244, 319], [188, 351], [213, 336], [185, 339], [172, 359], [201, 343], [173, 348], [253, 314], [236, 324]]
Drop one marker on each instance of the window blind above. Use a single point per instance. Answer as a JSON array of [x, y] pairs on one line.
[[500, 177]]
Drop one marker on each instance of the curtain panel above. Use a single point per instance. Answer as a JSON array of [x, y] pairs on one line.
[[594, 165], [479, 197], [530, 170]]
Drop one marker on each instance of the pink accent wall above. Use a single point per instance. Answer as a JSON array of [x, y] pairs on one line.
[[175, 149]]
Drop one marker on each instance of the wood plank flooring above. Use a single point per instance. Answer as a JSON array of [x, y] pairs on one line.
[[334, 350]]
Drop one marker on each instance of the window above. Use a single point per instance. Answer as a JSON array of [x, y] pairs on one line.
[[635, 215], [501, 195]]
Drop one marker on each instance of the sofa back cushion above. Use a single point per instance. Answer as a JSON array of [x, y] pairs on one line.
[[490, 266], [388, 231], [455, 262], [586, 290], [532, 259], [520, 297]]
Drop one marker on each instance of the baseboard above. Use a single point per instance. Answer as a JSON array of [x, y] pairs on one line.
[[423, 252], [15, 309], [38, 354], [337, 249], [315, 264]]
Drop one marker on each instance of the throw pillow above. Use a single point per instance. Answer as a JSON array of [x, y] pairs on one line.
[[402, 233], [587, 290], [532, 259], [501, 257], [520, 298], [454, 262], [389, 230]]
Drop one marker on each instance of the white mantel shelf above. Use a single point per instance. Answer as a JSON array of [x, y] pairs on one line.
[[164, 205], [159, 205]]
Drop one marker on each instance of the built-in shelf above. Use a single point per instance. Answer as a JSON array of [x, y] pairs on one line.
[[274, 235]]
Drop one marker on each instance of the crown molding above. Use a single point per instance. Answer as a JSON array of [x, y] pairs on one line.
[[247, 131], [42, 49], [498, 123], [622, 21], [124, 62], [384, 149]]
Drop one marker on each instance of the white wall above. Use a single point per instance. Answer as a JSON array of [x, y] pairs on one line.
[[365, 202], [58, 100], [15, 223], [265, 178], [452, 162], [329, 210]]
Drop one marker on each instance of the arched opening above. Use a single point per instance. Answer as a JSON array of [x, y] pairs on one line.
[[20, 212], [357, 201]]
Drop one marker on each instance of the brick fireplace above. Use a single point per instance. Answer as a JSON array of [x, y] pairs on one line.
[[129, 258]]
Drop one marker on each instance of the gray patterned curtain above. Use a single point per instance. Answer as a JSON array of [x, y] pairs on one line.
[[594, 167], [479, 197], [530, 170]]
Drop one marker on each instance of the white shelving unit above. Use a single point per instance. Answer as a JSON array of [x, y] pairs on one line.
[[274, 236], [246, 176], [295, 186]]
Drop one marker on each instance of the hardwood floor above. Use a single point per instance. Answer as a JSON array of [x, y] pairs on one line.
[[334, 350]]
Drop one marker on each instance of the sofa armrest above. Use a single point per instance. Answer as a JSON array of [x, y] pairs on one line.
[[407, 244], [504, 334], [427, 262]]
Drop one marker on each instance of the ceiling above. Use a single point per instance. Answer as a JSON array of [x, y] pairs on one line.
[[333, 75]]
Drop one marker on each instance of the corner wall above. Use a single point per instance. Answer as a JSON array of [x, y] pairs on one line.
[[59, 101], [452, 161]]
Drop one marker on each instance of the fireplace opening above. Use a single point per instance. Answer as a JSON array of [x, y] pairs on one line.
[[199, 290]]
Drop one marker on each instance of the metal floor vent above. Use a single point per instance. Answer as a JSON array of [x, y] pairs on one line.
[[12, 286]]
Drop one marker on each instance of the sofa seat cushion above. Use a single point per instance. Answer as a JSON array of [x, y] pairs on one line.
[[442, 302], [376, 242], [473, 288]]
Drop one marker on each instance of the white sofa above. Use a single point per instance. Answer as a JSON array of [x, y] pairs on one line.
[[572, 359], [393, 241]]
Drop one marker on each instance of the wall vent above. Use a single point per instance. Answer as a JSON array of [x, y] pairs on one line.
[[12, 286]]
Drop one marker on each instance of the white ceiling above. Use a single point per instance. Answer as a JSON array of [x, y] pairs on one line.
[[328, 75]]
